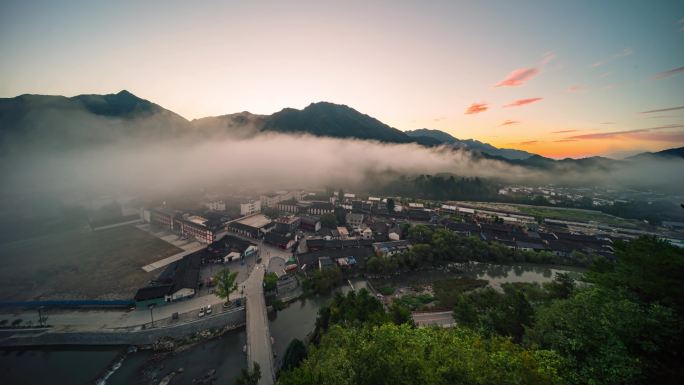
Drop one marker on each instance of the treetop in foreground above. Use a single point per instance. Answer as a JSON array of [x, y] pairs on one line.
[[400, 354]]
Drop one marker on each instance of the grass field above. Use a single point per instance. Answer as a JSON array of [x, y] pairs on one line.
[[560, 213], [80, 264]]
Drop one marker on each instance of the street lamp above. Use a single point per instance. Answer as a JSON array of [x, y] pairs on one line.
[[40, 315], [151, 307]]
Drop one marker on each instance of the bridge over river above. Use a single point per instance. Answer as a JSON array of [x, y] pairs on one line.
[[259, 344]]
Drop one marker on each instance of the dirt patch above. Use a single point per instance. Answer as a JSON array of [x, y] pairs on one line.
[[80, 264]]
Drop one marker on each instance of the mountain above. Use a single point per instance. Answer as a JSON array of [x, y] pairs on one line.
[[672, 153], [470, 144], [41, 122], [334, 120], [239, 125]]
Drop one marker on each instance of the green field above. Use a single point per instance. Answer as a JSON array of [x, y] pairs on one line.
[[80, 264], [575, 215]]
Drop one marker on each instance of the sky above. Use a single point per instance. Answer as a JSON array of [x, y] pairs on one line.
[[557, 78]]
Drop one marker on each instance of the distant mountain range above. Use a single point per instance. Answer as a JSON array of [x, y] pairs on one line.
[[441, 137], [58, 122]]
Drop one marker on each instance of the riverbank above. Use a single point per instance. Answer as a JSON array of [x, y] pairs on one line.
[[232, 319]]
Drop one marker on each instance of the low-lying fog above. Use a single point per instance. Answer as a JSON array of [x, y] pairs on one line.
[[276, 160]]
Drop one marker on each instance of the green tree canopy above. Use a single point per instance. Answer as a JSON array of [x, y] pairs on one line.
[[225, 283], [391, 354]]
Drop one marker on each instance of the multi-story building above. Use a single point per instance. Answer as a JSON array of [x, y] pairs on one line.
[[287, 224], [216, 205], [162, 217], [251, 207], [354, 219], [319, 208]]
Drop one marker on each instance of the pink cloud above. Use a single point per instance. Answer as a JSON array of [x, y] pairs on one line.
[[528, 142], [563, 131], [508, 122], [521, 75], [565, 140], [576, 88], [639, 133], [667, 74], [663, 110], [476, 108], [625, 52], [522, 102], [518, 77]]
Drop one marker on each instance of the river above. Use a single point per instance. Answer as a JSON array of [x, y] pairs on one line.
[[224, 354]]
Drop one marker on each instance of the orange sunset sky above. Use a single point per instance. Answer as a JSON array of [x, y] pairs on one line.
[[575, 78]]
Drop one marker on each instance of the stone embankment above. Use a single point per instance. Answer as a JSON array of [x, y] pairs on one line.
[[230, 319]]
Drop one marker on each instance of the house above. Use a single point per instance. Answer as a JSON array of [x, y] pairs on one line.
[[448, 209], [286, 282], [250, 207], [354, 219], [394, 234], [314, 244], [162, 217], [254, 227], [529, 246], [360, 254], [287, 224], [466, 229], [272, 199], [284, 241], [179, 280], [230, 248], [325, 263], [319, 208], [342, 232], [310, 223], [183, 275], [216, 205], [153, 295], [390, 248], [198, 227], [292, 206], [367, 233]]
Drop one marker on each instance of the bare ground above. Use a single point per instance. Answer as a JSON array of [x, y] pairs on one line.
[[80, 264]]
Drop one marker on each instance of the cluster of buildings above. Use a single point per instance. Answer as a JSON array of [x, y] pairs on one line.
[[202, 228]]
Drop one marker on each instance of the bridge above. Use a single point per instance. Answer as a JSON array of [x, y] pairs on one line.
[[259, 343]]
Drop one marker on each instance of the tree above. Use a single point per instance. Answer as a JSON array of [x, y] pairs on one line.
[[607, 338], [390, 205], [249, 377], [340, 216], [225, 284], [420, 234], [647, 267], [329, 221], [400, 314], [561, 287], [401, 354], [270, 281], [294, 354]]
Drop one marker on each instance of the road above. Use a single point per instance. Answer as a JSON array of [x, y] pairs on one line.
[[259, 347], [442, 318]]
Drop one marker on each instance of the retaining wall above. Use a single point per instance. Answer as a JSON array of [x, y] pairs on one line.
[[43, 337]]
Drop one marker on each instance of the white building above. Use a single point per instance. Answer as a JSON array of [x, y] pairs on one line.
[[249, 208], [216, 205]]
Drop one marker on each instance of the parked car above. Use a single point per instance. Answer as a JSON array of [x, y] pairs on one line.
[[209, 309], [201, 312]]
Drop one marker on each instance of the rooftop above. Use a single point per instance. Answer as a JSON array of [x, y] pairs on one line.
[[256, 221]]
